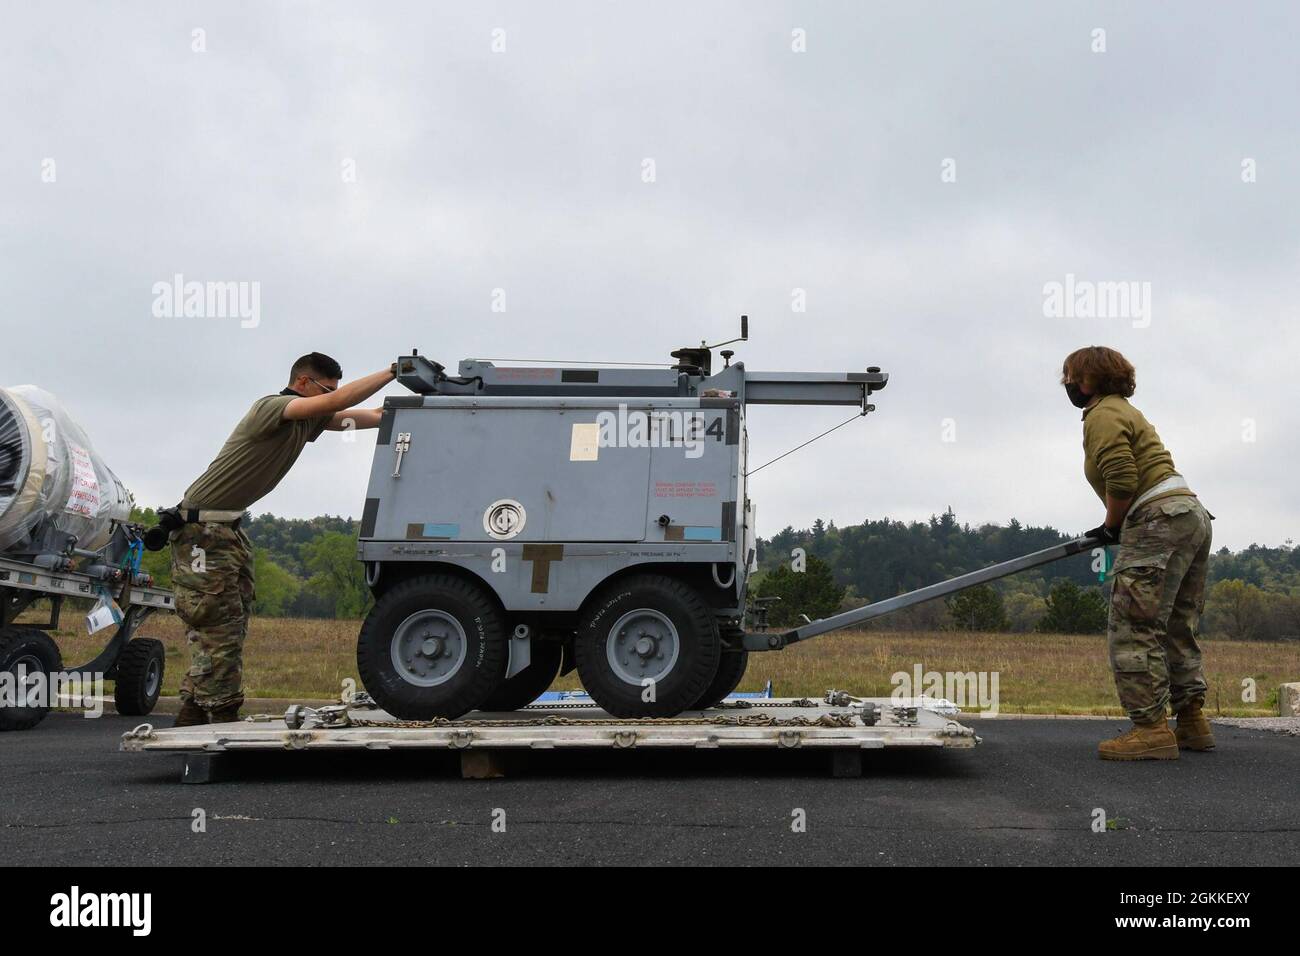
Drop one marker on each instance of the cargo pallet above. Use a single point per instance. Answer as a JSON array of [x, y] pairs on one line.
[[842, 730]]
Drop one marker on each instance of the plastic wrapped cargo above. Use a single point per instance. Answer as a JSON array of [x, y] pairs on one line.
[[49, 471]]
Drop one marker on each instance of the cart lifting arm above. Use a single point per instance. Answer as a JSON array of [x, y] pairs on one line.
[[772, 642]]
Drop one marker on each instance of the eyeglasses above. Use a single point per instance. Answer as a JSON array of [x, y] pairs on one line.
[[325, 388]]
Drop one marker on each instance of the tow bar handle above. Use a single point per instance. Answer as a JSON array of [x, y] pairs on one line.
[[773, 641]]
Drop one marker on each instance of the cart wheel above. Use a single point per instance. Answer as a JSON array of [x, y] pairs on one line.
[[731, 670], [139, 676], [432, 646], [27, 660], [526, 686], [647, 646]]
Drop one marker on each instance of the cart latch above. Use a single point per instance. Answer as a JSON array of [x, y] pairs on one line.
[[401, 448]]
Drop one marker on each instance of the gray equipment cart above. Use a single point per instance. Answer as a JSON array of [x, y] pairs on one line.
[[523, 521]]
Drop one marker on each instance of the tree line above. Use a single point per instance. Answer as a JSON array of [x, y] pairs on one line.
[[1253, 594], [308, 568], [302, 567]]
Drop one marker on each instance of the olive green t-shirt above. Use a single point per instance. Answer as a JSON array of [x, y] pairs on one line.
[[1123, 455], [258, 453]]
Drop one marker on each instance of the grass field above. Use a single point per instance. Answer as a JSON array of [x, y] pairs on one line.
[[1037, 673]]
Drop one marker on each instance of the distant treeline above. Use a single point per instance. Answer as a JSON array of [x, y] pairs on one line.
[[308, 568], [303, 567]]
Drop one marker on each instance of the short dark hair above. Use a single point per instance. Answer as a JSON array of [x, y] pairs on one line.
[[1109, 372], [316, 363]]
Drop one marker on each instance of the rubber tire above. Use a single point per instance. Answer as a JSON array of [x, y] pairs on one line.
[[130, 687], [731, 671], [18, 642], [698, 654], [529, 684], [486, 652]]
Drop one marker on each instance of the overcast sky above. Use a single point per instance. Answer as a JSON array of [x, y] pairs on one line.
[[921, 172]]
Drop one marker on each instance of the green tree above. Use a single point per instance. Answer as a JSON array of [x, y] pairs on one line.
[[978, 609], [812, 591], [1073, 610], [336, 574], [1024, 609], [277, 589], [1236, 609]]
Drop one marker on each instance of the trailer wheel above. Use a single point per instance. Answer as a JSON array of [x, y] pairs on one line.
[[139, 676], [432, 646], [26, 653], [647, 646], [731, 671], [526, 686]]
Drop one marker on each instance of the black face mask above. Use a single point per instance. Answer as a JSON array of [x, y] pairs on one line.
[[289, 391], [1077, 398]]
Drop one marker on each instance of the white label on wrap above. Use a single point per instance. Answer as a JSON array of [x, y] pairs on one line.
[[84, 499], [103, 616]]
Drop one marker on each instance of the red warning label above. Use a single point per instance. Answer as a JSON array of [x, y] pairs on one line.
[[686, 489]]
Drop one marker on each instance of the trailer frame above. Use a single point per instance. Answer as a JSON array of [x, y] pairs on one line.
[[22, 584]]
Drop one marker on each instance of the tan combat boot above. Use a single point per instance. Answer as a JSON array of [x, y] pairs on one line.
[[1152, 741], [1192, 729], [190, 715]]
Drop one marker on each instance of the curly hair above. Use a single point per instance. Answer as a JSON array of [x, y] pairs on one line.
[[1104, 370]]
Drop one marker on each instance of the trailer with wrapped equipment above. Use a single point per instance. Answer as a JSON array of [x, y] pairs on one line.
[[65, 532]]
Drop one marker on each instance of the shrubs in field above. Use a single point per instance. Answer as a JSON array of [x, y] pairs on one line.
[[1073, 610], [978, 609]]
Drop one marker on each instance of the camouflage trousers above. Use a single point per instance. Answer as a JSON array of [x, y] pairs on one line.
[[1157, 597], [212, 573]]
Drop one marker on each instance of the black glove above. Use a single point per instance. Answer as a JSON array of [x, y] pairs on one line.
[[1104, 534]]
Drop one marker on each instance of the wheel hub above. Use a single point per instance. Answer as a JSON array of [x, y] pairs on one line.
[[643, 645], [428, 648], [28, 670]]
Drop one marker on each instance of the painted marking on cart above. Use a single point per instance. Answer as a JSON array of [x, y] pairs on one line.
[[369, 514], [685, 489], [385, 435], [432, 532], [584, 443], [541, 555]]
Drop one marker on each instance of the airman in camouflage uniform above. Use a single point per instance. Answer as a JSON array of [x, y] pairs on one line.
[[1158, 582], [212, 572], [212, 558], [1157, 597]]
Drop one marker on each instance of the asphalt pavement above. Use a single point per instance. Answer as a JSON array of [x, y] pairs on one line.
[[1031, 793]]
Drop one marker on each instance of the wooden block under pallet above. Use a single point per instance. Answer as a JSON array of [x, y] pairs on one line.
[[482, 764]]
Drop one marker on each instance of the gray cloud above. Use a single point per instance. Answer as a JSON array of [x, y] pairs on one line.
[[775, 170]]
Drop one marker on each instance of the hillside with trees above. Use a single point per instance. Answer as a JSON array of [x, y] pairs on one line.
[[1253, 594], [308, 568]]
